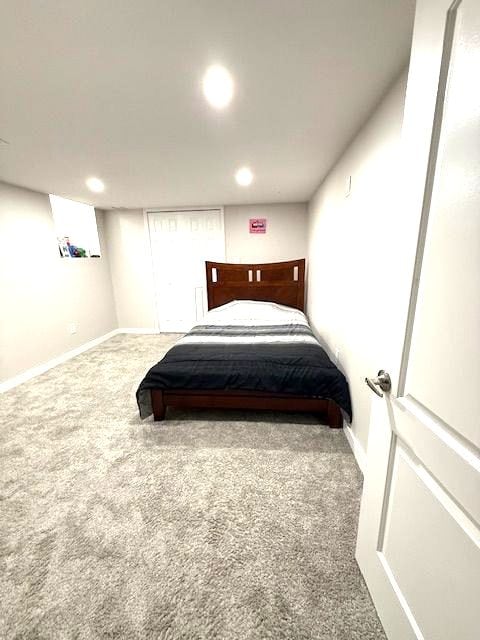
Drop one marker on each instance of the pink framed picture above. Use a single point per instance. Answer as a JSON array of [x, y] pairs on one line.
[[258, 225]]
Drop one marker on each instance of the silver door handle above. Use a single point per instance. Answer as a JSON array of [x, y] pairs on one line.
[[382, 380]]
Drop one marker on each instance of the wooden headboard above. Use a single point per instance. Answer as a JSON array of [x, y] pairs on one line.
[[281, 282]]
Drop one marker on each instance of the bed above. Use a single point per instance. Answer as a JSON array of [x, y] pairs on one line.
[[253, 350]]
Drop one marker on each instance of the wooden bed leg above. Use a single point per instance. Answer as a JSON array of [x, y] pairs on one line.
[[334, 415], [158, 405]]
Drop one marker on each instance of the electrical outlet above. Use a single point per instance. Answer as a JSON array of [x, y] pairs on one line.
[[72, 328]]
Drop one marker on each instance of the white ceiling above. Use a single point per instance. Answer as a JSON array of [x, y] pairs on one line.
[[112, 88]]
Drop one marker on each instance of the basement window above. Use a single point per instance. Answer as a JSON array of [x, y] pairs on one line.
[[75, 228]]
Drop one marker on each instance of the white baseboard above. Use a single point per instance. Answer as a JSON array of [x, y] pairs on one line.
[[358, 450], [139, 331], [41, 368]]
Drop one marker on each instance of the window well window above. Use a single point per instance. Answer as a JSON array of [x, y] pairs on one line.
[[75, 227]]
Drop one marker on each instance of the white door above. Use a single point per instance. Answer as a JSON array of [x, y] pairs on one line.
[[181, 241], [419, 541]]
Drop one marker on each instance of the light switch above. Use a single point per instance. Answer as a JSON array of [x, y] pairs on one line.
[[348, 186]]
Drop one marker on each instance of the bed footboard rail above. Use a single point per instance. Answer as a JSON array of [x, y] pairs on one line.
[[327, 410]]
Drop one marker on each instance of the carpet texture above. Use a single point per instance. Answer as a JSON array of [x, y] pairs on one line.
[[211, 525]]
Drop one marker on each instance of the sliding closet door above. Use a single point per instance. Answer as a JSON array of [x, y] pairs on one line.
[[181, 241]]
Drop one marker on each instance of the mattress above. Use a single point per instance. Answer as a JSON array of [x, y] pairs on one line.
[[249, 346]]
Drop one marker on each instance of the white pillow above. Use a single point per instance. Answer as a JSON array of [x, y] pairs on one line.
[[254, 312]]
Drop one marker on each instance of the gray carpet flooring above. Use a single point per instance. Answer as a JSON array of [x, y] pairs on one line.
[[211, 525]]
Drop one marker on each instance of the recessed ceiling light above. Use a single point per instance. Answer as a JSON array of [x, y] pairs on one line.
[[217, 86], [244, 177], [95, 184]]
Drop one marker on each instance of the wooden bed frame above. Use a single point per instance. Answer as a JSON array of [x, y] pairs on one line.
[[281, 282]]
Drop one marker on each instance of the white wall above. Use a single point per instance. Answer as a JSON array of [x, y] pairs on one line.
[[350, 242], [41, 293], [128, 247], [285, 239]]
